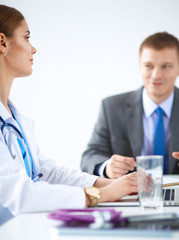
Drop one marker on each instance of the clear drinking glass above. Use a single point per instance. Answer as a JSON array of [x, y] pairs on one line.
[[149, 177]]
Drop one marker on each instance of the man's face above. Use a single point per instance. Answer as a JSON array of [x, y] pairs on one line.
[[159, 70]]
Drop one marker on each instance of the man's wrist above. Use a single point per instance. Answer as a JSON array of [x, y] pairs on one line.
[[101, 169], [104, 173]]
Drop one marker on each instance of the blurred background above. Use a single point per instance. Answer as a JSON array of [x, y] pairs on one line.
[[86, 50]]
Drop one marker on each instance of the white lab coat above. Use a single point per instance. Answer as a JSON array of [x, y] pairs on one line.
[[58, 188]]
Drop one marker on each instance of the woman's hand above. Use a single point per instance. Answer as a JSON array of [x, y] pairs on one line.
[[119, 188]]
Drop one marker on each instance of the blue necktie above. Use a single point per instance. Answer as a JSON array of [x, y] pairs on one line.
[[159, 136]]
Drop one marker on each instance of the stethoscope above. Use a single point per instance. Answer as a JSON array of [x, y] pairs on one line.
[[9, 141]]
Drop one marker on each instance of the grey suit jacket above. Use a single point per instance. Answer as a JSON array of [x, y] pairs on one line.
[[119, 130]]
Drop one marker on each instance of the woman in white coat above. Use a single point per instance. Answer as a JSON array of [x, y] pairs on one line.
[[20, 159]]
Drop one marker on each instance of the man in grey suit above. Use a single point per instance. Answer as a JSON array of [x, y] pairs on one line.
[[126, 122]]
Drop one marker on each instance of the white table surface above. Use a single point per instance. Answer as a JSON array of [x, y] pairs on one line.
[[38, 226], [34, 226]]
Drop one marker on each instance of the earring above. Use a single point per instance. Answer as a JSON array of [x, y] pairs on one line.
[[5, 54]]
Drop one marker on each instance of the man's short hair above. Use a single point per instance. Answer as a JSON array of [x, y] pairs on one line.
[[159, 41]]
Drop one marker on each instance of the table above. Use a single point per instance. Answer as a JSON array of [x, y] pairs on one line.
[[37, 226], [34, 226]]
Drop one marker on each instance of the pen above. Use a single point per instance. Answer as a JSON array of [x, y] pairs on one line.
[[170, 184], [38, 176]]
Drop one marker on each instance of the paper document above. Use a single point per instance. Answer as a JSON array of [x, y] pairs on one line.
[[171, 180]]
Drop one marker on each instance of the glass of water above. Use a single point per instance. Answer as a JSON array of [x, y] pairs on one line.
[[149, 177]]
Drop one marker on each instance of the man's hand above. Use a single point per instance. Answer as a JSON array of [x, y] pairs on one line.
[[175, 155], [119, 165]]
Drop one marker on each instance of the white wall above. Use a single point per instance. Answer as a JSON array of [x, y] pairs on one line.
[[87, 50]]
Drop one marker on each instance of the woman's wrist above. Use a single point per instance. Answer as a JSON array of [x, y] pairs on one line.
[[87, 199], [101, 182]]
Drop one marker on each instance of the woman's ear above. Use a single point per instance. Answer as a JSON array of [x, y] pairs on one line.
[[3, 45]]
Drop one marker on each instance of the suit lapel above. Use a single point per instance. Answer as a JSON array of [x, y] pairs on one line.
[[134, 113], [174, 141]]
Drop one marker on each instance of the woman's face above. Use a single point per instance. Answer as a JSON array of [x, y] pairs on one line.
[[20, 52]]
